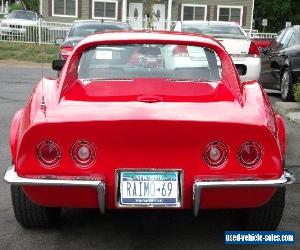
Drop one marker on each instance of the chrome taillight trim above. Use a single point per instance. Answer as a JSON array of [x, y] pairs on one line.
[[221, 162], [254, 163], [93, 154], [59, 155]]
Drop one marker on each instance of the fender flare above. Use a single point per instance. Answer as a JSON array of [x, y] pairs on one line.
[[14, 129]]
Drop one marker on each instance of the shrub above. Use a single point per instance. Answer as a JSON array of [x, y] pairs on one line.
[[297, 92]]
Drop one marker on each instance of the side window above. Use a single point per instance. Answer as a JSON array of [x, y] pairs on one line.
[[292, 40], [275, 44], [287, 37]]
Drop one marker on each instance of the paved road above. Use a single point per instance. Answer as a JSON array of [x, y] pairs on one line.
[[80, 229]]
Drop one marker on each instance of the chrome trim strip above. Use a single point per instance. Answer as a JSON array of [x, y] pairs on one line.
[[12, 178], [287, 178]]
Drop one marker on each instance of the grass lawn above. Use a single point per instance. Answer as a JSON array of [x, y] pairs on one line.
[[27, 52]]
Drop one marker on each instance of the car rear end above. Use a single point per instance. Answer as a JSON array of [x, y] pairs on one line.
[[126, 154], [131, 132], [245, 55], [243, 51]]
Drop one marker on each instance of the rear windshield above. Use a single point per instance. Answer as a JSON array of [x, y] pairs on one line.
[[180, 62], [212, 29], [85, 29], [22, 15]]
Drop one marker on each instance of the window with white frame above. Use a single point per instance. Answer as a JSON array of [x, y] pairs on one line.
[[230, 13], [193, 12], [106, 9], [64, 8]]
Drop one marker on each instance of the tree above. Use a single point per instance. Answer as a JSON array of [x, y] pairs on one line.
[[278, 12], [149, 13], [31, 5]]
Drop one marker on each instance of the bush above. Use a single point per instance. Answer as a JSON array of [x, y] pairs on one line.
[[297, 92]]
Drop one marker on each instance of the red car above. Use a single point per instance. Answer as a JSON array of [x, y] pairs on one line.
[[120, 130]]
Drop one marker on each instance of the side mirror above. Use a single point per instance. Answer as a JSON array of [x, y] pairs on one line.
[[58, 64], [59, 41]]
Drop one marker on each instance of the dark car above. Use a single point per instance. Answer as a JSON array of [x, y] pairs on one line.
[[82, 28], [281, 62]]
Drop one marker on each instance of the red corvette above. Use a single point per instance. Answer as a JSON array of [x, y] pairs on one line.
[[123, 127]]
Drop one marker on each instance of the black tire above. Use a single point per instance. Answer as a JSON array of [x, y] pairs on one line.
[[286, 85], [268, 216], [31, 215]]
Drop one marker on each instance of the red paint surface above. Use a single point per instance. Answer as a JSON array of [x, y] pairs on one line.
[[262, 43], [130, 134]]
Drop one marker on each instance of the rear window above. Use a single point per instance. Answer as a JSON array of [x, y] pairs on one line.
[[178, 62], [212, 29], [85, 29], [26, 15]]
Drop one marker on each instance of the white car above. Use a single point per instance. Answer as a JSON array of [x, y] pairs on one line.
[[243, 51], [16, 22]]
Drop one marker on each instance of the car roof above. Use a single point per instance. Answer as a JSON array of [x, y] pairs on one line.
[[211, 22], [143, 35], [97, 21], [28, 11]]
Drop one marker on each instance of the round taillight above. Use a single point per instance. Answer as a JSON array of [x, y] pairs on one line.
[[83, 153], [250, 154], [48, 153], [215, 154]]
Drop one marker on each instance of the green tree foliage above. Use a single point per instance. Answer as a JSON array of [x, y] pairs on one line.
[[32, 5], [15, 6], [278, 12], [297, 91]]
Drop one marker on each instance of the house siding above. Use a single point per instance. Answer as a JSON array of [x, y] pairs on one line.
[[85, 11], [212, 10]]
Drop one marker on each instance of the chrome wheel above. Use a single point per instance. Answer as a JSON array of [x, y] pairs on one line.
[[285, 84]]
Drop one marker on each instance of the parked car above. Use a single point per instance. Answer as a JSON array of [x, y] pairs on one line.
[[120, 130], [82, 28], [281, 62], [242, 49], [15, 23]]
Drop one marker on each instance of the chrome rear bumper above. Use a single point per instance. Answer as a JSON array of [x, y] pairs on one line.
[[12, 177], [286, 178]]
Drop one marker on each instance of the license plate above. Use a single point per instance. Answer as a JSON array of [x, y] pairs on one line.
[[149, 188]]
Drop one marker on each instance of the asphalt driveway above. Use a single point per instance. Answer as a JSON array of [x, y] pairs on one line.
[[85, 228]]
